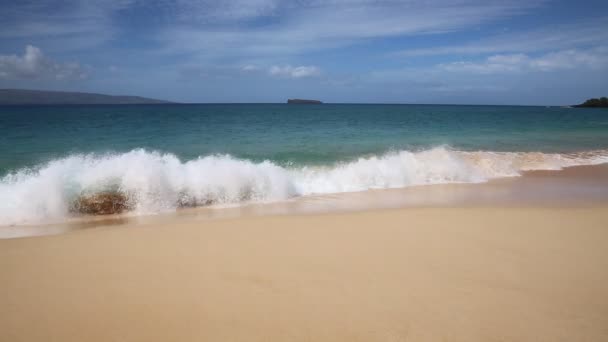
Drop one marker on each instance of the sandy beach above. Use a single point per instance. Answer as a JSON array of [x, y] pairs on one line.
[[413, 274], [306, 171]]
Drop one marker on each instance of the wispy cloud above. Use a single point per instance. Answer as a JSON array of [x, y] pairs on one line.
[[250, 68], [34, 65], [210, 11], [294, 72], [301, 26], [507, 63], [59, 18], [561, 36], [216, 29]]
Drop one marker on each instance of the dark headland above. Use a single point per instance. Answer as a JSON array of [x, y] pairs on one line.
[[300, 101], [601, 102], [43, 97]]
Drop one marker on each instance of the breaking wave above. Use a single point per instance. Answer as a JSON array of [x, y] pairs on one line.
[[152, 182]]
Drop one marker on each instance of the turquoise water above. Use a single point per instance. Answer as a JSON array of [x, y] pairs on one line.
[[166, 156], [297, 134]]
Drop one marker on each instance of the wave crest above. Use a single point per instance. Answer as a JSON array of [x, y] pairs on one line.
[[154, 182]]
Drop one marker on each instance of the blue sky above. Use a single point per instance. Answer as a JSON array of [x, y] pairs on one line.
[[463, 52]]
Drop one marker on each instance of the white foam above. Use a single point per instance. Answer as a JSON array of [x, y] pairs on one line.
[[155, 182]]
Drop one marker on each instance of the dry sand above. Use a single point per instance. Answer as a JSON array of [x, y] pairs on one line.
[[417, 274]]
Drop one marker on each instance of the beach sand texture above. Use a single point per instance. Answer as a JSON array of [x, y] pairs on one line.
[[417, 274]]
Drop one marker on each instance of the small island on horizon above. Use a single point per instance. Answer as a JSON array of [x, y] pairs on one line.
[[594, 103], [302, 101]]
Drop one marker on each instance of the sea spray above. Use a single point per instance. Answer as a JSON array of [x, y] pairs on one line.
[[155, 182]]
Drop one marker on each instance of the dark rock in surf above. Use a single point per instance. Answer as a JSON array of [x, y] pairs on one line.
[[104, 203]]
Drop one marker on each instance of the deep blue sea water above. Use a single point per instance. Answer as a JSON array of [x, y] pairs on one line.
[[164, 155]]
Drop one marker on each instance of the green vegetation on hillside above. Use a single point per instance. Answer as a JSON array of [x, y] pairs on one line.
[[601, 102]]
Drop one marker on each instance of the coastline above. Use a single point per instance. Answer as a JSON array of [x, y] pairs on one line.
[[346, 170], [576, 186], [423, 274]]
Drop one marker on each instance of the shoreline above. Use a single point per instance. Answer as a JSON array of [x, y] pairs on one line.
[[505, 260], [575, 186]]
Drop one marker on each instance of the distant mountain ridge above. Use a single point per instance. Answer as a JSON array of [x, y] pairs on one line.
[[45, 97]]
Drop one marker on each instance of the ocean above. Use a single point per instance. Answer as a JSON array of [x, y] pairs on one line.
[[162, 157]]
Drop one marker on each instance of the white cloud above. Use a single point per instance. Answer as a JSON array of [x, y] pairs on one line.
[[193, 71], [507, 63], [294, 72], [33, 65], [569, 59]]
